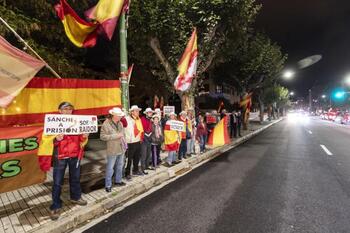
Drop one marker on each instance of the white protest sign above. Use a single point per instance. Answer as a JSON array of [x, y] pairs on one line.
[[177, 125], [168, 109], [69, 124]]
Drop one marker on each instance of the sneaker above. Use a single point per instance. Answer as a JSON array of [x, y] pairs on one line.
[[177, 161], [120, 184], [81, 202], [128, 178], [139, 174], [108, 189], [54, 214], [150, 168], [168, 165], [145, 173]]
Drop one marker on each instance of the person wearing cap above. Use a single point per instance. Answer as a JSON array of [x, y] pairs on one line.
[[146, 143], [171, 140], [157, 139], [68, 151], [112, 131], [184, 136], [133, 136], [192, 130]]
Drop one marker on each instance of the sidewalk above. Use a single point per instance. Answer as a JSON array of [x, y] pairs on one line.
[[27, 209]]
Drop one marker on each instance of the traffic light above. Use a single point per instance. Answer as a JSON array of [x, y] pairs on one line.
[[339, 94]]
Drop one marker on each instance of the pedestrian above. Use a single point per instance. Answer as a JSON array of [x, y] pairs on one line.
[[184, 136], [171, 140], [157, 139], [146, 143], [68, 151], [239, 123], [134, 137], [192, 130], [202, 133], [233, 124], [112, 131]]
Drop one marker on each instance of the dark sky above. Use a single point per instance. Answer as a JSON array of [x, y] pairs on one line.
[[307, 27]]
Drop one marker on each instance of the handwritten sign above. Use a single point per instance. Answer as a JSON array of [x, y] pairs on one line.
[[211, 119], [168, 109], [69, 124], [176, 125]]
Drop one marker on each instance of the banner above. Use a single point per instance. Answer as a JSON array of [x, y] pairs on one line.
[[18, 158], [43, 95], [168, 109], [69, 124], [211, 119], [176, 125]]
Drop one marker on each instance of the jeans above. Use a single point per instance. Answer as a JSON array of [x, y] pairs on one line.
[[58, 178], [190, 146], [203, 139], [134, 150], [183, 148], [155, 154], [145, 155], [171, 157], [115, 164]]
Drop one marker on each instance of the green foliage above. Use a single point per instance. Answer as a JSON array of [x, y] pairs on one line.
[[276, 94]]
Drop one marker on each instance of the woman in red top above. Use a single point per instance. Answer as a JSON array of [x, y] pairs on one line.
[[202, 133]]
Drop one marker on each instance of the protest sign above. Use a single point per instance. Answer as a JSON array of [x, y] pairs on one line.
[[168, 109], [211, 119], [177, 125], [69, 124], [18, 158]]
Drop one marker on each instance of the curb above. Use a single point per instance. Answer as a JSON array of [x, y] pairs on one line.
[[70, 222]]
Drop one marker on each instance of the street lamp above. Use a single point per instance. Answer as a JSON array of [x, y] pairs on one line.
[[323, 96], [292, 93], [288, 74], [347, 80]]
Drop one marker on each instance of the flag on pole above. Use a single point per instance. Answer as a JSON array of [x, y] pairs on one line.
[[79, 32], [107, 13], [246, 104], [187, 66], [16, 69], [131, 68], [219, 136]]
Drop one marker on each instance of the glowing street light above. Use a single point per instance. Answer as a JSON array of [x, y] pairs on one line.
[[323, 96], [288, 74], [347, 80], [292, 93]]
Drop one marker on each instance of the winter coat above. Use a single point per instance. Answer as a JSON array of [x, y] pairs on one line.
[[154, 139], [109, 133], [70, 146]]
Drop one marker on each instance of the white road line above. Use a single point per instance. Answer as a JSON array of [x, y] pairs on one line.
[[310, 132], [326, 150]]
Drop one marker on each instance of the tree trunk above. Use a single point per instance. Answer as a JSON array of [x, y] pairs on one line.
[[187, 101]]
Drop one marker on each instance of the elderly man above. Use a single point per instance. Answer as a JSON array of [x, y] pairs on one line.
[[134, 137]]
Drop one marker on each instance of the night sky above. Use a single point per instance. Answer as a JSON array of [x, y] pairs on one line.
[[308, 27]]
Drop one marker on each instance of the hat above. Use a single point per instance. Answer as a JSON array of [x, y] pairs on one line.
[[116, 112], [172, 113], [183, 113], [156, 115], [148, 110], [135, 108], [65, 104], [157, 110]]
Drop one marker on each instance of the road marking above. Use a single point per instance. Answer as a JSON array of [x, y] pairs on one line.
[[326, 150], [310, 132]]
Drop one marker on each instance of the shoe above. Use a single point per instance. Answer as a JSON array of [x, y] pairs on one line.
[[168, 165], [128, 178], [178, 161], [145, 173], [108, 189], [120, 184], [54, 214], [81, 202], [150, 168], [139, 174]]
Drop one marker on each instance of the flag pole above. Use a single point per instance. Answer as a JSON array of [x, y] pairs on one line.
[[30, 48], [124, 60]]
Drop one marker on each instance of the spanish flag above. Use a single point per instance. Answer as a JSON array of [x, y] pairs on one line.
[[187, 66], [171, 139], [43, 95], [138, 128], [219, 136], [107, 13], [246, 104], [79, 32]]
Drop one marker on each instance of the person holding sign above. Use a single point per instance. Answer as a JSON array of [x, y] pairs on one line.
[[112, 132], [69, 151], [157, 139], [171, 140]]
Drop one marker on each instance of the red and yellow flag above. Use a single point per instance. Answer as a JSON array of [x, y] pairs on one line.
[[107, 13], [43, 95], [246, 104], [171, 139], [79, 32], [16, 69], [187, 66], [219, 136]]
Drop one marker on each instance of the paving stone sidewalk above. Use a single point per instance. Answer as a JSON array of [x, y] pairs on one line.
[[27, 209]]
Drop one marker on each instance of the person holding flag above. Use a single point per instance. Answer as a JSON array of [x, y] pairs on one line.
[[171, 140]]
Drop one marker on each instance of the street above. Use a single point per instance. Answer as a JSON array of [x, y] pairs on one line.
[[293, 177]]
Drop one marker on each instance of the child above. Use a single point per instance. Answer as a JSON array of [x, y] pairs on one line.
[[157, 139]]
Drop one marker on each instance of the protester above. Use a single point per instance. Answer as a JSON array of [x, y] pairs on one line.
[[157, 139], [134, 136], [233, 124], [202, 133], [192, 130], [146, 143], [68, 151], [112, 132], [184, 136], [239, 123], [171, 140]]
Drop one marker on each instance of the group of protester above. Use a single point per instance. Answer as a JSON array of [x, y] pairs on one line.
[[135, 139]]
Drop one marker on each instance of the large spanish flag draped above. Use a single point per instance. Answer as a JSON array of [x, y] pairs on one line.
[[79, 32], [107, 13], [171, 139], [43, 95], [187, 66], [16, 69], [219, 136]]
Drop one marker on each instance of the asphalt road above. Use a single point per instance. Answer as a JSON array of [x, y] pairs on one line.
[[280, 181]]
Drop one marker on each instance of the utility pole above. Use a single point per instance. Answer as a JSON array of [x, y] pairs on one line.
[[310, 100], [123, 61]]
